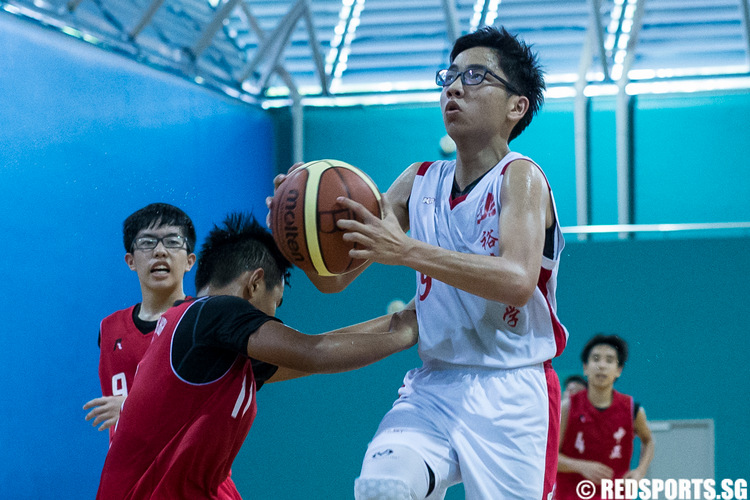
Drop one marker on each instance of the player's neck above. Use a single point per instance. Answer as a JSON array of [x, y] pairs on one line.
[[154, 304], [600, 397], [237, 288], [471, 164]]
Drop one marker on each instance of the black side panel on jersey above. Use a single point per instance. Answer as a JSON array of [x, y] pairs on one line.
[[211, 335], [549, 241]]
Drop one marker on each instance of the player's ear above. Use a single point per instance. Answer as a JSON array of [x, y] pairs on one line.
[[130, 261], [190, 261], [253, 282], [519, 106]]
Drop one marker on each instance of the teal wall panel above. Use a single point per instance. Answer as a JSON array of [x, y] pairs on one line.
[[691, 158], [682, 305]]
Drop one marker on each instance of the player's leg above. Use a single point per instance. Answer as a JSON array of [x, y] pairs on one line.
[[410, 457], [393, 472], [506, 442]]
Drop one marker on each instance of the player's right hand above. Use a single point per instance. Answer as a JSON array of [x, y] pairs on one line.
[[104, 410], [595, 471], [276, 183]]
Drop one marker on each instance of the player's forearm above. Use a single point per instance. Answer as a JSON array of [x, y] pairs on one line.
[[340, 352], [375, 325], [646, 456], [567, 464], [490, 277]]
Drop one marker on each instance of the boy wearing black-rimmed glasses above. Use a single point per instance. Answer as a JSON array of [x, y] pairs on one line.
[[159, 240]]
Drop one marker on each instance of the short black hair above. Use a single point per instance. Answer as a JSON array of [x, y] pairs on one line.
[[575, 378], [237, 245], [617, 343], [518, 62], [155, 216]]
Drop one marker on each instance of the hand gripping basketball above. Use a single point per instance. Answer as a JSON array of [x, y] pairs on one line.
[[304, 212], [380, 239]]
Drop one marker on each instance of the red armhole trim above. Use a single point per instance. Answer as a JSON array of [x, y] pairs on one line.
[[424, 166]]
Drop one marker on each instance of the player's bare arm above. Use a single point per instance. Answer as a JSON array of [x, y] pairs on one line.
[[643, 431], [337, 351], [509, 278]]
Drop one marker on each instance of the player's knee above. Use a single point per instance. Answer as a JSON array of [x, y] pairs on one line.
[[392, 473], [379, 488]]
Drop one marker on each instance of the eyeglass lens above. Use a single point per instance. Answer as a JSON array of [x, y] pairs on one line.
[[150, 242]]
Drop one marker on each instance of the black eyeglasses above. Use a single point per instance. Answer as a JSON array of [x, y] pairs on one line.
[[470, 76], [172, 241]]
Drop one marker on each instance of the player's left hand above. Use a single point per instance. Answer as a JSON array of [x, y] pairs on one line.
[[380, 240], [276, 183], [634, 474], [104, 410]]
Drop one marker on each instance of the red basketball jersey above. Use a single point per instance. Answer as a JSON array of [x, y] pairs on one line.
[[121, 348], [184, 445], [604, 436]]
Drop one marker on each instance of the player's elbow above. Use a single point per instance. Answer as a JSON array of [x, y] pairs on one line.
[[520, 293]]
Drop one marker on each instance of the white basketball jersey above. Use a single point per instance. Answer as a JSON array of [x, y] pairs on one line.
[[457, 328]]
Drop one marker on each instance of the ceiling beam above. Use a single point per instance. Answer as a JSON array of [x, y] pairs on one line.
[[73, 5], [483, 17], [252, 21], [272, 47], [598, 36], [145, 19], [745, 8], [451, 20], [216, 23], [318, 59]]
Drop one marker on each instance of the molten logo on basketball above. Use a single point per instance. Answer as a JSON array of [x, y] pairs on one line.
[[291, 230]]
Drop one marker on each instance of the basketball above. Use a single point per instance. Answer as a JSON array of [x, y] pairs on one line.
[[304, 214]]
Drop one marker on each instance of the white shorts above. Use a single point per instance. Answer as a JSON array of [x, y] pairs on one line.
[[494, 430]]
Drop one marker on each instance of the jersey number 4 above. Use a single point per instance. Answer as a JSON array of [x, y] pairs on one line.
[[579, 442]]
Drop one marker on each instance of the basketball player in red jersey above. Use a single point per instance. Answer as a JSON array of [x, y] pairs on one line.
[[193, 399], [599, 424], [159, 240]]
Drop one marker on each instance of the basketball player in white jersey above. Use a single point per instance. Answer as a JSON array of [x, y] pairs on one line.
[[485, 242]]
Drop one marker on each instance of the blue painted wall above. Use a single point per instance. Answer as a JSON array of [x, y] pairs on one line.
[[86, 139]]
